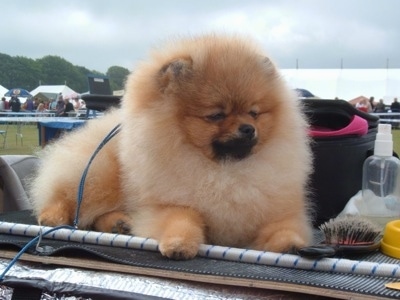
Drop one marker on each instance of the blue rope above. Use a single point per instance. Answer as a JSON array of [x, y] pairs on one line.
[[35, 240], [28, 245], [108, 137]]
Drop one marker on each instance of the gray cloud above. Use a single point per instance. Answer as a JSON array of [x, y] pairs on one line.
[[98, 34]]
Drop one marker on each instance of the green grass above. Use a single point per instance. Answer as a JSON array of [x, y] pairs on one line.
[[28, 143], [396, 140], [30, 140]]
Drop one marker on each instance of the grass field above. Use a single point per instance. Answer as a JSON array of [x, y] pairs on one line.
[[29, 143], [26, 143], [396, 140]]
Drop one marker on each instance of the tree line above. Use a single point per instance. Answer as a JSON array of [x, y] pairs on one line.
[[27, 73]]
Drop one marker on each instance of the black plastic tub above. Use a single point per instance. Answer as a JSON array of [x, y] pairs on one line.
[[338, 160]]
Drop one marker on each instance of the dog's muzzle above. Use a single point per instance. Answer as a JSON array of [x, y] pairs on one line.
[[238, 147]]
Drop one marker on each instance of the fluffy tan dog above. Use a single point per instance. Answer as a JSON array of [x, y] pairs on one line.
[[213, 149]]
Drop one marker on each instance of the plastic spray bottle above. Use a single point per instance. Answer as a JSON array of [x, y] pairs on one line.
[[381, 181]]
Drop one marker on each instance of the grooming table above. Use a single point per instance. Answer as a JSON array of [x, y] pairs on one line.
[[93, 263]]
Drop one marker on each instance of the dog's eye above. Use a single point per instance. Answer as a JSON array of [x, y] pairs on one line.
[[216, 117], [253, 114]]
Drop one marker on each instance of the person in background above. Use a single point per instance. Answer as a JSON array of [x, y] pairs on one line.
[[3, 104], [60, 107], [41, 108], [46, 104], [380, 107], [36, 102], [6, 104], [77, 104], [364, 106], [15, 104], [68, 107], [29, 105], [52, 104], [372, 103], [395, 106]]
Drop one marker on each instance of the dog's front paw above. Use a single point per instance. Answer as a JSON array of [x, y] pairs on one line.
[[178, 248], [282, 241], [55, 216], [114, 222]]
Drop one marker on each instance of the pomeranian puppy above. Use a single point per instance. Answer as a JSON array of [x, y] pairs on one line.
[[213, 149]]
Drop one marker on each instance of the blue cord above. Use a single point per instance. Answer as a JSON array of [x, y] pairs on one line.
[[108, 137], [27, 246]]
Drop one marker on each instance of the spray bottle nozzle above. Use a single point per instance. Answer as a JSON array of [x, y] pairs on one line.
[[384, 141]]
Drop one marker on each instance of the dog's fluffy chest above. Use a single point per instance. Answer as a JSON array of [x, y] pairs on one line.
[[233, 209]]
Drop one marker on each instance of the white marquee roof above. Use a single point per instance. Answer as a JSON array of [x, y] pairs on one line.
[[3, 90], [346, 84], [52, 91]]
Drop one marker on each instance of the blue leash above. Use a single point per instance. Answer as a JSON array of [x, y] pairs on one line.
[[108, 137], [28, 245], [38, 239]]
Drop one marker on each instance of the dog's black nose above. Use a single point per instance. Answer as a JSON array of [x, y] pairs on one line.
[[247, 130]]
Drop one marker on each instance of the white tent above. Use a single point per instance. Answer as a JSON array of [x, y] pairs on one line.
[[3, 90], [46, 92], [347, 84]]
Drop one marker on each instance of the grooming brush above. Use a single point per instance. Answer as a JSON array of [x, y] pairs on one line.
[[345, 236]]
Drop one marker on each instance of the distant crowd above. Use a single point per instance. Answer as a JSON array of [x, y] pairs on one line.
[[60, 106], [370, 106]]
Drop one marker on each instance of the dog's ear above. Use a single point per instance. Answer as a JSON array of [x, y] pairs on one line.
[[175, 72], [269, 68], [268, 64]]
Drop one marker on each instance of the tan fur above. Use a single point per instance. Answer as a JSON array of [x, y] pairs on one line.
[[160, 177]]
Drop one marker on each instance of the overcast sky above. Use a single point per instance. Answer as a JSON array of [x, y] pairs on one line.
[[98, 34]]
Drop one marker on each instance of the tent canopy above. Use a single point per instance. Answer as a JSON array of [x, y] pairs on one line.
[[47, 92], [346, 84], [3, 90]]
